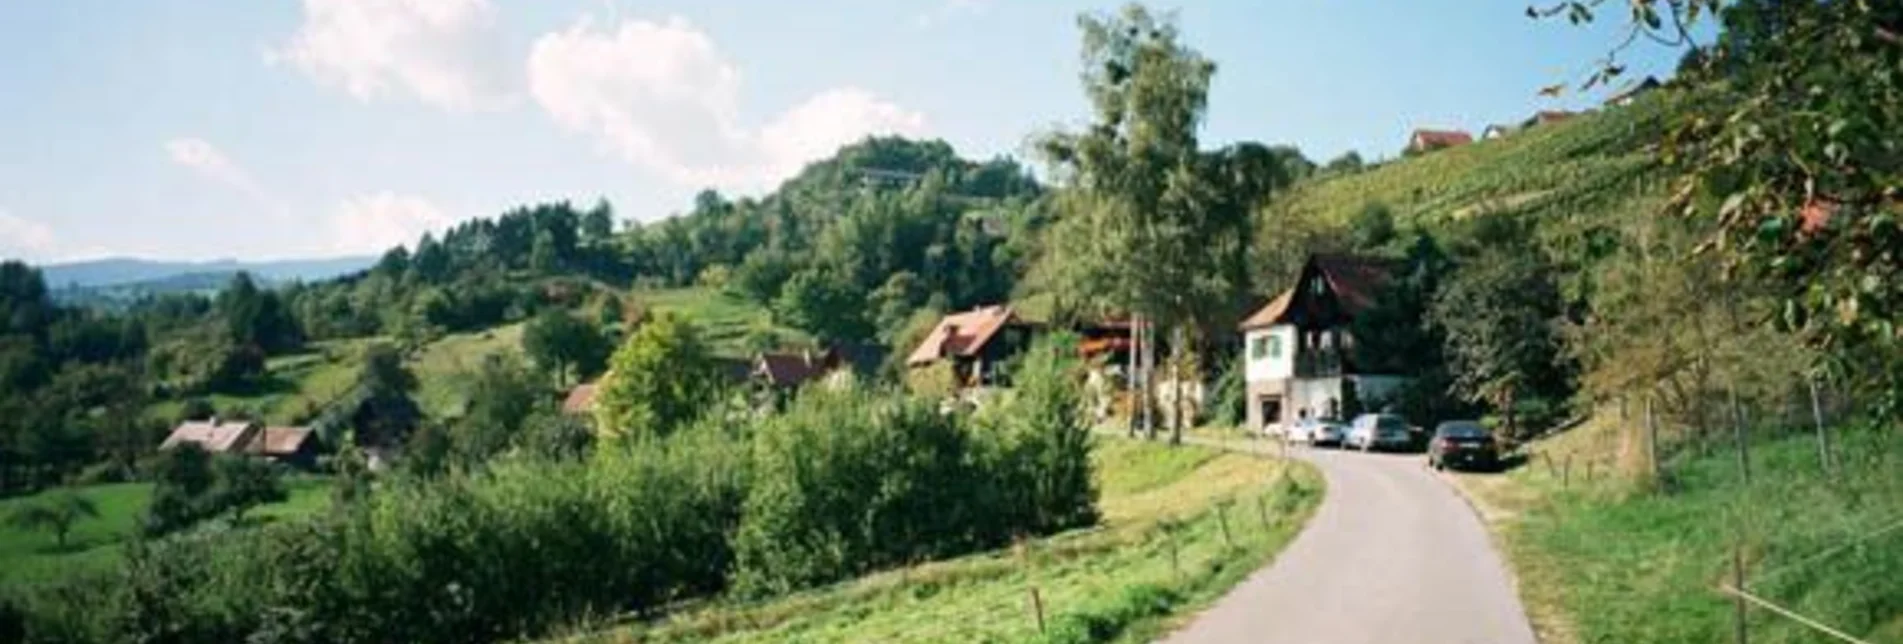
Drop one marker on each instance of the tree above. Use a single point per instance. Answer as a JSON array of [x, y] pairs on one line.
[[243, 483], [1373, 226], [660, 379], [502, 394], [1144, 229], [385, 413], [1502, 312], [559, 342], [54, 512], [819, 302], [1348, 163], [255, 317], [182, 479], [598, 224], [1787, 146]]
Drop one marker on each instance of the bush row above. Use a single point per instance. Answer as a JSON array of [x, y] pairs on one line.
[[844, 482]]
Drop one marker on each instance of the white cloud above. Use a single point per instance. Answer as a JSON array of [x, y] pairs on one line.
[[663, 97], [208, 161], [24, 238], [377, 222], [949, 9], [446, 53]]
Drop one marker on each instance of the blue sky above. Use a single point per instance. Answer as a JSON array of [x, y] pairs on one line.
[[199, 130]]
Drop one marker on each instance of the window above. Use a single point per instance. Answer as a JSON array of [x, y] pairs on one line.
[[1316, 285], [1275, 346], [1259, 348]]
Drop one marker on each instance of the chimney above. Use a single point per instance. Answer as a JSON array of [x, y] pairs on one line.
[[214, 420]]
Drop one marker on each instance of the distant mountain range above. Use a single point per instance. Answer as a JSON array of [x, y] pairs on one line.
[[120, 271]]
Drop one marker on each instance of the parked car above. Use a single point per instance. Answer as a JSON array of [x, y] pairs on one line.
[[1462, 443], [1315, 432], [1378, 431]]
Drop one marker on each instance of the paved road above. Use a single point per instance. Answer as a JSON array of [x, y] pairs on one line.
[[1392, 555]]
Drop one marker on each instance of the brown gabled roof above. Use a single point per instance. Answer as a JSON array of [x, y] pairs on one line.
[[1355, 280], [280, 441], [791, 369], [962, 334], [1635, 89], [1271, 314], [214, 435], [1440, 138], [580, 400]]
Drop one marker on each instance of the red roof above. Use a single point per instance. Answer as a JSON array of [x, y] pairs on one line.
[[1424, 139], [580, 400], [962, 334]]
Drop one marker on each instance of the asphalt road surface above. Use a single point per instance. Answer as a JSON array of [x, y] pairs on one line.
[[1392, 555]]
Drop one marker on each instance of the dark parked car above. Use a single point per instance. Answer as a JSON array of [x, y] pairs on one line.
[[1462, 443]]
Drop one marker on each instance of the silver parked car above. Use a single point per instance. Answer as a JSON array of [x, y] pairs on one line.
[[1316, 432], [1378, 432]]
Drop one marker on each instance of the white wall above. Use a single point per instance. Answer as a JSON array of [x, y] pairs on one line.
[[1278, 364]]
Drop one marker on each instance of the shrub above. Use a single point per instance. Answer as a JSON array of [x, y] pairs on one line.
[[846, 482]]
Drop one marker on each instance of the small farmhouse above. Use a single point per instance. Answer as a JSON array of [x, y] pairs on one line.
[[581, 400], [294, 446], [1430, 140], [1632, 93], [974, 343], [787, 370], [1299, 358], [1496, 131]]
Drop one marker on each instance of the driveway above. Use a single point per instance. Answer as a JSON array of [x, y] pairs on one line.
[[1392, 555]]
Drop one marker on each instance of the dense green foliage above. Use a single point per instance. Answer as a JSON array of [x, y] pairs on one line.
[[846, 482], [661, 379]]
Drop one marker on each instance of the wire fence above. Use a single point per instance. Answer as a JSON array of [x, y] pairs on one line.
[[1773, 587]]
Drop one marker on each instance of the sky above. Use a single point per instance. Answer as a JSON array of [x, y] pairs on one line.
[[197, 130]]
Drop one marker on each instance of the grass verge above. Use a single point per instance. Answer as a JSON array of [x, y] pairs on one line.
[[1181, 526], [1601, 560]]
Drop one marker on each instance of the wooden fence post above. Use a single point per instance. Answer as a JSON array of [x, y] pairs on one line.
[[1738, 436], [1742, 630], [1222, 520], [1566, 473], [1823, 432], [1652, 444], [1262, 511], [1037, 606]]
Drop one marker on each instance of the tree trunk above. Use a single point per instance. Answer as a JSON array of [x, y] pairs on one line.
[[1176, 385], [1130, 379]]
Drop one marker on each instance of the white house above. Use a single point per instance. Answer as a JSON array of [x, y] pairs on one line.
[[1298, 350]]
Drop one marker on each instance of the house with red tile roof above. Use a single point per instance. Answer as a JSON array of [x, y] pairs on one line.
[[1430, 140], [1298, 349], [974, 343]]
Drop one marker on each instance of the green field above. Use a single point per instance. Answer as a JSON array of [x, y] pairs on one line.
[[1600, 561], [295, 386], [439, 365], [95, 541], [725, 320], [1113, 582]]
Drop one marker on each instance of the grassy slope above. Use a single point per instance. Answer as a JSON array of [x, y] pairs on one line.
[[1601, 562], [724, 319], [1574, 168], [95, 541], [295, 383], [1111, 582], [438, 365]]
